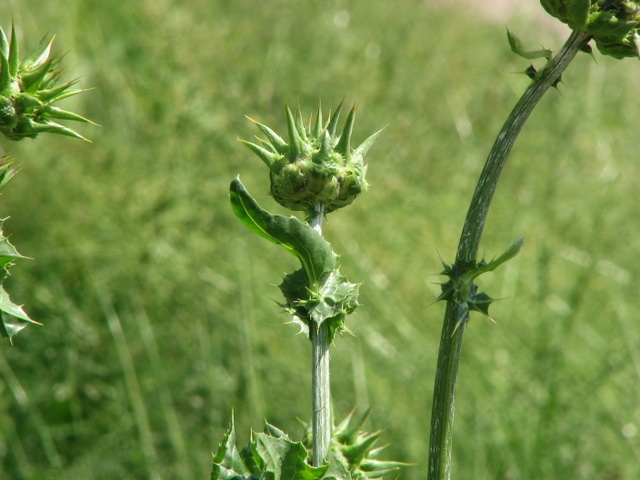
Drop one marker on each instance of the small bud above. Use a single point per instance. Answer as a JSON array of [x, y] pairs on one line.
[[317, 166]]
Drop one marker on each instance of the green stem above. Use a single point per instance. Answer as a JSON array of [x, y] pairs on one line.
[[451, 339], [320, 384], [321, 394]]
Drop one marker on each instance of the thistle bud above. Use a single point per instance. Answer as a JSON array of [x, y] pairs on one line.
[[317, 167], [28, 89], [613, 24]]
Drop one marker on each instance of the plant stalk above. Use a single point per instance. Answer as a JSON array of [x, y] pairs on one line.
[[442, 413], [320, 381]]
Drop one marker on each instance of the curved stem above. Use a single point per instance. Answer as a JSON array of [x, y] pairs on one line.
[[443, 408], [320, 381], [479, 207]]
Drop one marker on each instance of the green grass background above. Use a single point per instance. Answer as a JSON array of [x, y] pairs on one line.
[[159, 306]]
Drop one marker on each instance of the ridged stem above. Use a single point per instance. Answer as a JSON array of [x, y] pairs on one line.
[[442, 414], [320, 384]]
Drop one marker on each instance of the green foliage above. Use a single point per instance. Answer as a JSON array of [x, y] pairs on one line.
[[273, 455], [13, 317], [137, 227], [464, 292], [28, 89], [516, 47], [317, 293], [532, 72], [270, 455], [613, 24]]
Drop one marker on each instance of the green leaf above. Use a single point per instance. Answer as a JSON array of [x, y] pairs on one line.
[[286, 459], [336, 299], [7, 171], [55, 112], [606, 26], [13, 317], [227, 463], [490, 266], [14, 61], [269, 456], [518, 49], [578, 13], [39, 55], [32, 129], [296, 237], [5, 76], [461, 289]]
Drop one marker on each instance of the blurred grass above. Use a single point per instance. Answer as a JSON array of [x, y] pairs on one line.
[[158, 305]]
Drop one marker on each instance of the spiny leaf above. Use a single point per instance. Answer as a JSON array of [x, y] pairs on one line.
[[480, 302], [286, 459], [344, 144], [40, 54], [347, 431], [378, 468], [279, 144], [14, 61], [357, 452], [364, 147], [295, 141], [5, 76], [300, 126], [332, 125], [31, 80], [13, 317], [269, 158], [269, 456], [508, 254], [4, 44], [227, 463], [329, 302], [48, 126], [55, 94], [316, 131], [55, 112]]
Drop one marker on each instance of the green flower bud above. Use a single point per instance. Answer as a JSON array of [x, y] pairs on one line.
[[613, 24], [317, 168], [27, 91]]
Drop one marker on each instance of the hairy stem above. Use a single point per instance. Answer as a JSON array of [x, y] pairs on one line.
[[451, 339], [320, 384]]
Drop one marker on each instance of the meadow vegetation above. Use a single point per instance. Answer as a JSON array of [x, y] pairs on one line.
[[158, 321]]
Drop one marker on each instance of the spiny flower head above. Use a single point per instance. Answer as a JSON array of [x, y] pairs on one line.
[[318, 167], [28, 89], [613, 24]]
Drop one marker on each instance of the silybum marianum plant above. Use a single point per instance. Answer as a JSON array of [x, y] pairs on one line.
[[614, 27], [317, 171], [28, 90]]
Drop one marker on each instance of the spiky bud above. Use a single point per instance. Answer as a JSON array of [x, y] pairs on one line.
[[28, 89], [317, 167], [613, 24]]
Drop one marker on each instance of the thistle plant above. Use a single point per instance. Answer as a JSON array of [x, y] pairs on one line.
[[317, 172], [28, 90], [614, 26]]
